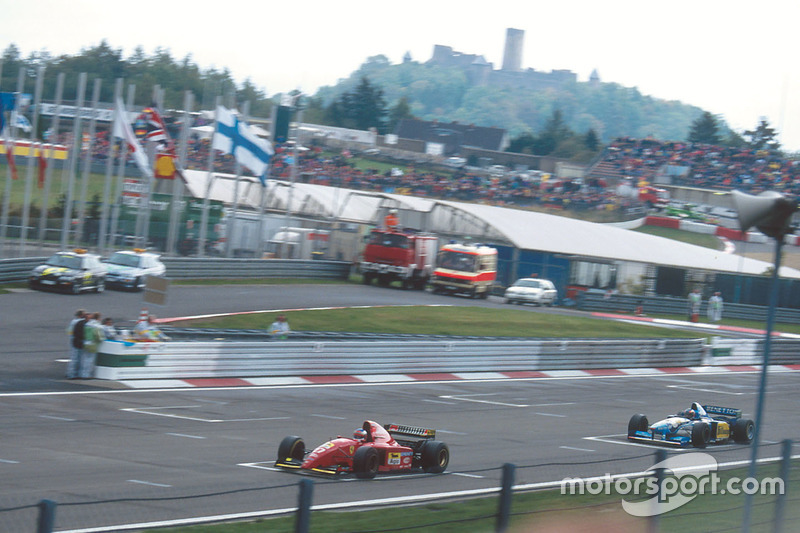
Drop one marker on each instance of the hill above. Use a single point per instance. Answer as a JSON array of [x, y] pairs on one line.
[[447, 93]]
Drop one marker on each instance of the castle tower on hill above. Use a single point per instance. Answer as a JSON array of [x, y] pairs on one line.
[[480, 72], [512, 55]]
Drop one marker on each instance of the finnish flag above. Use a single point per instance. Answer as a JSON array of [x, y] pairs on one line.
[[234, 137]]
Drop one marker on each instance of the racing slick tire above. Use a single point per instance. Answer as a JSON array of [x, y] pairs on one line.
[[292, 447], [75, 288], [365, 462], [435, 457], [100, 287], [743, 431], [701, 434], [637, 422]]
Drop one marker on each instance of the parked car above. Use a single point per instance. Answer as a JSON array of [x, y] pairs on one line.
[[129, 269], [532, 291], [76, 271]]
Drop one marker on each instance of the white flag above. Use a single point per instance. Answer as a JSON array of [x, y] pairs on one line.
[[123, 130], [234, 137]]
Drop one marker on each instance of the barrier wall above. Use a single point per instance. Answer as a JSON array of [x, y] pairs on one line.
[[159, 360]]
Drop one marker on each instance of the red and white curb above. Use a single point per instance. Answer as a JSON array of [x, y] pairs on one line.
[[444, 377], [698, 325]]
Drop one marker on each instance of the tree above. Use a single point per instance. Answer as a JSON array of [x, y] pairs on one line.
[[763, 137], [705, 130], [401, 110], [591, 140], [362, 108]]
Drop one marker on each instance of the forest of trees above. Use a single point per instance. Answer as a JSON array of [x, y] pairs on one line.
[[572, 122]]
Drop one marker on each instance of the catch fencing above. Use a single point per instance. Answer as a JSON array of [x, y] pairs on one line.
[[625, 303], [563, 495]]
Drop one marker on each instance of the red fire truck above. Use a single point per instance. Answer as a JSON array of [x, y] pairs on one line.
[[394, 255]]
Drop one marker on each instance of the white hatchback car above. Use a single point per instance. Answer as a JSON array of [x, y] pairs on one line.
[[129, 269], [532, 291]]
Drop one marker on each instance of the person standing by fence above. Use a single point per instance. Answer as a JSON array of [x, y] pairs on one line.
[[715, 307], [695, 301]]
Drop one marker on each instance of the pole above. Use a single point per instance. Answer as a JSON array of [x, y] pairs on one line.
[[49, 172], [762, 389], [177, 183], [780, 503], [87, 162], [12, 147], [26, 206], [209, 181], [303, 523], [123, 157], [112, 142], [66, 221], [506, 492], [230, 227]]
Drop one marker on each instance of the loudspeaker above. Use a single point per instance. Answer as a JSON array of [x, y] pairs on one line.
[[770, 212]]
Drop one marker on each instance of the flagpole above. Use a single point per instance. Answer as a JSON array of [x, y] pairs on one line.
[[10, 150], [231, 226], [26, 206], [87, 163], [177, 184], [123, 157], [66, 222], [209, 180], [112, 141], [43, 216]]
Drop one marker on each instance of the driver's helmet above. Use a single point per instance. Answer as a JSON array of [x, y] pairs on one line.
[[690, 413], [360, 434]]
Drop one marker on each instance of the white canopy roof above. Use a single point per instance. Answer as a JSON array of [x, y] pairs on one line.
[[527, 230]]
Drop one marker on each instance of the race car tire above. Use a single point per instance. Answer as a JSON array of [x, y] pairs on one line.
[[365, 462], [100, 287], [435, 457], [292, 447], [701, 434], [75, 288], [637, 422], [137, 284], [743, 431]]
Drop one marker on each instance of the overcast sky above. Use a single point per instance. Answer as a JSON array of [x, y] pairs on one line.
[[733, 58]]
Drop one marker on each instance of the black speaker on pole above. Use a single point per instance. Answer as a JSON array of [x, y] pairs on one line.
[[770, 212]]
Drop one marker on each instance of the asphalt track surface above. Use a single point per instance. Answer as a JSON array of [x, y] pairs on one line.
[[161, 455]]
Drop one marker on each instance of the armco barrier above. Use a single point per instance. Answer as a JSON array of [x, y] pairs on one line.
[[130, 360], [17, 270]]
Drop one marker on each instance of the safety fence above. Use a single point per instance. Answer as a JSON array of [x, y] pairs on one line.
[[17, 270], [657, 490], [624, 303], [175, 359]]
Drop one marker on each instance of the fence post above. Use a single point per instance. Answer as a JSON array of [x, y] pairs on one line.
[[652, 526], [47, 516], [780, 502], [504, 509], [303, 522]]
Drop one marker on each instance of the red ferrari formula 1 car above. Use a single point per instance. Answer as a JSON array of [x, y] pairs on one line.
[[373, 448]]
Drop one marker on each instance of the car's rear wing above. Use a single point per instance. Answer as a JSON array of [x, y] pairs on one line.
[[724, 411], [398, 430]]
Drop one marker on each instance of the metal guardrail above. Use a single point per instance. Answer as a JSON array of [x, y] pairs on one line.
[[624, 303], [17, 270], [304, 358]]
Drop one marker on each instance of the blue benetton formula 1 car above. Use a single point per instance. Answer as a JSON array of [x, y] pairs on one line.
[[697, 426]]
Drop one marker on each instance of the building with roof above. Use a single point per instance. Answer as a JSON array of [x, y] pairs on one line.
[[575, 254]]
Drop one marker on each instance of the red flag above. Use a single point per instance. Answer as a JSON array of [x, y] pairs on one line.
[[11, 164], [42, 166]]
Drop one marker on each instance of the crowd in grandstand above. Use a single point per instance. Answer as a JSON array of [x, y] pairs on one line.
[[686, 164]]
